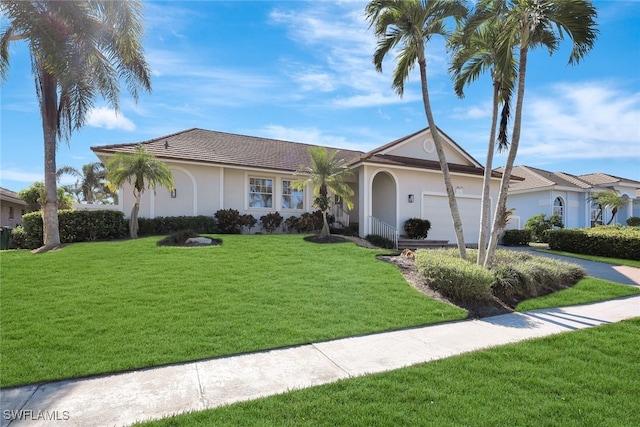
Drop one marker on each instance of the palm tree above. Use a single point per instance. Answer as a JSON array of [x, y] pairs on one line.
[[411, 24], [474, 54], [141, 170], [529, 24], [609, 199], [79, 49], [90, 182], [326, 173]]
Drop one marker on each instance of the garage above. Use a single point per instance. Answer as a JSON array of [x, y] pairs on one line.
[[435, 208]]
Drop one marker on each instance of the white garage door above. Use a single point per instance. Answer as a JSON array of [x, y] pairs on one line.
[[436, 210]]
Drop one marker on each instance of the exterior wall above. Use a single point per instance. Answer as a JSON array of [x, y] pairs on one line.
[[420, 183], [421, 147], [530, 204], [11, 214]]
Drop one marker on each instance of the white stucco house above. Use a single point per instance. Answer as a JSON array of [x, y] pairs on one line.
[[400, 180], [568, 196]]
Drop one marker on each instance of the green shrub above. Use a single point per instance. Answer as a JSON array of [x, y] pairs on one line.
[[633, 221], [228, 221], [271, 221], [379, 241], [247, 222], [76, 226], [18, 238], [539, 226], [454, 277], [508, 283], [417, 228], [608, 241], [170, 224], [351, 230], [516, 237]]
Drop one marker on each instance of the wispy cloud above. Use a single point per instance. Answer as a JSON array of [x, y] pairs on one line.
[[583, 121], [20, 176], [108, 118]]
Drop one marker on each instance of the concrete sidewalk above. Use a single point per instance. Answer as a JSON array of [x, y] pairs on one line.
[[123, 399]]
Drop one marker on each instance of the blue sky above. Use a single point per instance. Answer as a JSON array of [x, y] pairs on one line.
[[302, 71]]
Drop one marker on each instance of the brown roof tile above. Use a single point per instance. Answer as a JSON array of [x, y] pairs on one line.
[[11, 196], [229, 149]]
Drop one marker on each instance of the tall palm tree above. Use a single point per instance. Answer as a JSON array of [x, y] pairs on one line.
[[326, 173], [609, 199], [90, 182], [141, 170], [411, 24], [527, 25], [79, 49], [474, 53]]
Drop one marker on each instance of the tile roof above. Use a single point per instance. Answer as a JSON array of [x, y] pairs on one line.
[[539, 178], [10, 196], [600, 179], [248, 151], [224, 148]]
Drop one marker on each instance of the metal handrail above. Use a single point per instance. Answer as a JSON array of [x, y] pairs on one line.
[[377, 227]]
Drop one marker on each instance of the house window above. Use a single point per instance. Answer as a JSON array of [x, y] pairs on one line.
[[260, 193], [10, 212], [291, 198], [558, 208]]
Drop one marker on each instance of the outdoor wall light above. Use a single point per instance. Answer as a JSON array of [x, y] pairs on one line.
[[174, 193], [410, 198]]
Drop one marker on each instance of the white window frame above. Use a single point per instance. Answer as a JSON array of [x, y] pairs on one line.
[[561, 207], [283, 195], [249, 192]]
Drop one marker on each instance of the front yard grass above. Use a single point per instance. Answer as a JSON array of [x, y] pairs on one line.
[[584, 378], [614, 261], [94, 308], [585, 291]]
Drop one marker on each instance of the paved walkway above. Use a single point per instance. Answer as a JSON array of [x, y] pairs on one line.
[[125, 398]]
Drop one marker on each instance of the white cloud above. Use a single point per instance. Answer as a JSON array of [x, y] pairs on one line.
[[21, 176], [107, 118], [582, 121]]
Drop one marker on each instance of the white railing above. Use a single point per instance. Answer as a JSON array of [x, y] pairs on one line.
[[379, 228], [341, 215]]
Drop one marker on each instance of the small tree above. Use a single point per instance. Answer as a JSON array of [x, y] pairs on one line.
[[141, 170], [540, 225], [35, 194], [609, 199], [326, 173]]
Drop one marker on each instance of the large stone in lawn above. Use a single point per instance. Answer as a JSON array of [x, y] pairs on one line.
[[198, 241]]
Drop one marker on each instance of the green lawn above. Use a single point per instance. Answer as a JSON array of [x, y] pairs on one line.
[[585, 291], [583, 378], [112, 306], [614, 261]]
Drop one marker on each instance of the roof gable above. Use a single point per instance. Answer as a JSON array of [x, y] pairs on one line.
[[420, 146]]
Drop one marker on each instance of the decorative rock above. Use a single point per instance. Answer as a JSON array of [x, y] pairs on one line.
[[407, 253], [198, 241]]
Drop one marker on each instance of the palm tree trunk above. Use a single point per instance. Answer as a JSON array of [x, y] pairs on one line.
[[326, 231], [49, 113], [486, 181], [133, 219], [501, 204], [444, 166]]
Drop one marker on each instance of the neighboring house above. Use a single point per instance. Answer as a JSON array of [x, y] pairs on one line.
[[12, 208], [568, 196], [395, 182]]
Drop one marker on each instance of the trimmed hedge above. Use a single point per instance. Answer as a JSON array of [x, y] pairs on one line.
[[170, 224], [76, 226], [379, 241], [517, 237], [608, 241]]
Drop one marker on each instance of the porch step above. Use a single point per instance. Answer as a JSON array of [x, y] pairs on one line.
[[422, 244]]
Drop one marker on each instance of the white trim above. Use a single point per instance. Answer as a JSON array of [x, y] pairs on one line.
[[276, 196], [221, 188]]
